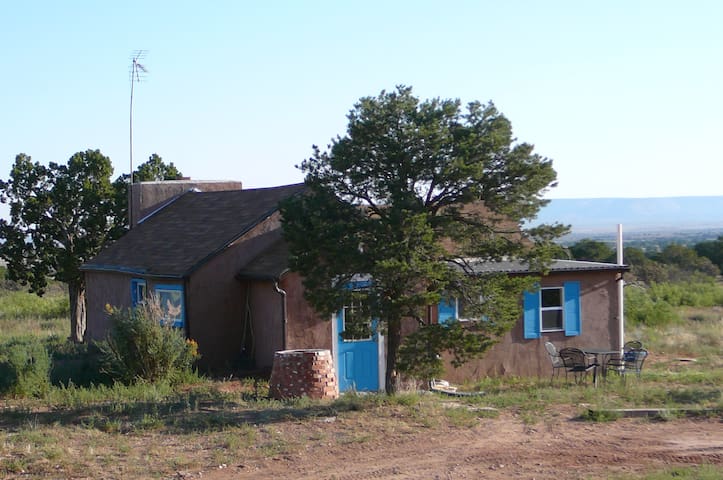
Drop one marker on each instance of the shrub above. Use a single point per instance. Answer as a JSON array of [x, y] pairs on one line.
[[142, 346], [24, 368], [641, 308], [689, 294]]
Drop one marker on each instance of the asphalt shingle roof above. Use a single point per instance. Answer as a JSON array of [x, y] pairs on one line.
[[271, 264], [190, 230]]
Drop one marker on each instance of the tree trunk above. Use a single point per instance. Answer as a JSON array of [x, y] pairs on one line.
[[394, 340], [76, 292]]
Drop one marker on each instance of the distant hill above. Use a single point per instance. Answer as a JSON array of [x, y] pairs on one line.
[[636, 214]]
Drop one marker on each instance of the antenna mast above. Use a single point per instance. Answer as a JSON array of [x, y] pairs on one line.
[[138, 72]]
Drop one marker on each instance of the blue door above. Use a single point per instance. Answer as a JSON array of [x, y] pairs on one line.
[[358, 351]]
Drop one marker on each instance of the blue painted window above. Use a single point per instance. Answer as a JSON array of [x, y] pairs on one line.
[[171, 301], [447, 310], [553, 309], [455, 309], [138, 291]]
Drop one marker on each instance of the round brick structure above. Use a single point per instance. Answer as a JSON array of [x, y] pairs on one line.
[[305, 372]]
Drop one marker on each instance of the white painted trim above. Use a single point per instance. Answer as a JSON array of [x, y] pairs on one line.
[[382, 367], [621, 292], [335, 350]]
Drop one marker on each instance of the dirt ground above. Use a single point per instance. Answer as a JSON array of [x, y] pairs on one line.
[[496, 448]]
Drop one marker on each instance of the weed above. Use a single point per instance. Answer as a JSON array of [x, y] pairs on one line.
[[600, 415], [461, 416]]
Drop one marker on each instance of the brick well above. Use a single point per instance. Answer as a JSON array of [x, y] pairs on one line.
[[307, 372]]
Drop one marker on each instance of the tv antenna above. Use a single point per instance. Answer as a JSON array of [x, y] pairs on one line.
[[138, 72]]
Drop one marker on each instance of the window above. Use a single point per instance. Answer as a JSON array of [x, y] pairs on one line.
[[457, 309], [357, 324], [138, 291], [553, 309], [170, 299]]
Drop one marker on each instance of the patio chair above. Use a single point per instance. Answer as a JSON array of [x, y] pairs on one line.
[[577, 363], [632, 363], [618, 361], [555, 359]]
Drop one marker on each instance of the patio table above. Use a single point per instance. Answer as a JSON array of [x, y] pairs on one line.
[[601, 354]]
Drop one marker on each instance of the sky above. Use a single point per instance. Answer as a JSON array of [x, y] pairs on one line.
[[625, 96]]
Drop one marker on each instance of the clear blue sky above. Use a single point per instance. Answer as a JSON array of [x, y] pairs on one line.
[[625, 96]]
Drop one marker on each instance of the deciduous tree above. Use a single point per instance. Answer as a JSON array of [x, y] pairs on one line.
[[60, 216], [592, 251], [411, 193]]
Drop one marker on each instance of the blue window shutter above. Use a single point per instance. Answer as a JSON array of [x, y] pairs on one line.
[[573, 321], [137, 286], [446, 311], [532, 314]]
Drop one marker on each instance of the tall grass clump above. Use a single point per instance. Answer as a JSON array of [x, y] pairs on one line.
[[143, 346], [24, 368]]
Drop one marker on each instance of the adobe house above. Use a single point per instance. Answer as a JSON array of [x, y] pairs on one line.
[[218, 264]]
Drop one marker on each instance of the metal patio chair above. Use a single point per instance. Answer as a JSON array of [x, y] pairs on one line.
[[555, 359], [618, 361], [632, 363], [579, 364]]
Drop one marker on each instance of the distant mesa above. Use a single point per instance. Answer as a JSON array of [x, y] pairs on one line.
[[636, 214]]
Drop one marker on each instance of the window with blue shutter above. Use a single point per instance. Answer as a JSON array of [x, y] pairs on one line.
[[446, 310], [138, 291], [547, 311]]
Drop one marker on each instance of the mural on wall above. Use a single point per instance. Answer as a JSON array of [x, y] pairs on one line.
[[170, 298]]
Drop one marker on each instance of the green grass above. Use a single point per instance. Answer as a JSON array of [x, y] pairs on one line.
[[106, 419], [701, 472], [24, 314]]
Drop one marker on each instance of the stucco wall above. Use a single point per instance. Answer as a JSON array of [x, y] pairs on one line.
[[515, 355], [216, 299], [305, 329], [266, 313], [114, 289], [104, 288]]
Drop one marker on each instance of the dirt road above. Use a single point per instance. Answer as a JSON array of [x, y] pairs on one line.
[[495, 448]]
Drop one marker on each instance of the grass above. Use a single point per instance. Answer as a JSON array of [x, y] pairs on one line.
[[701, 472], [145, 430], [24, 314]]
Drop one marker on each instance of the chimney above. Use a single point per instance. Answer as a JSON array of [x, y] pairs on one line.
[[147, 197]]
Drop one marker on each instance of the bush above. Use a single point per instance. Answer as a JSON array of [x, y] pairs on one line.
[[75, 363], [141, 346], [641, 308], [689, 294], [24, 368]]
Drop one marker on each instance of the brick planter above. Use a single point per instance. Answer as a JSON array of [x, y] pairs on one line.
[[298, 373]]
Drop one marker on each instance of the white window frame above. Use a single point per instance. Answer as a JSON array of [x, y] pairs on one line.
[[139, 291], [343, 325], [560, 308]]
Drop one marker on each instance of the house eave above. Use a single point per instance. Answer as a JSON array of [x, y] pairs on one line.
[[128, 270]]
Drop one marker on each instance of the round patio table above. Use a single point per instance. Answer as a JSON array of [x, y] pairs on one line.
[[601, 354]]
